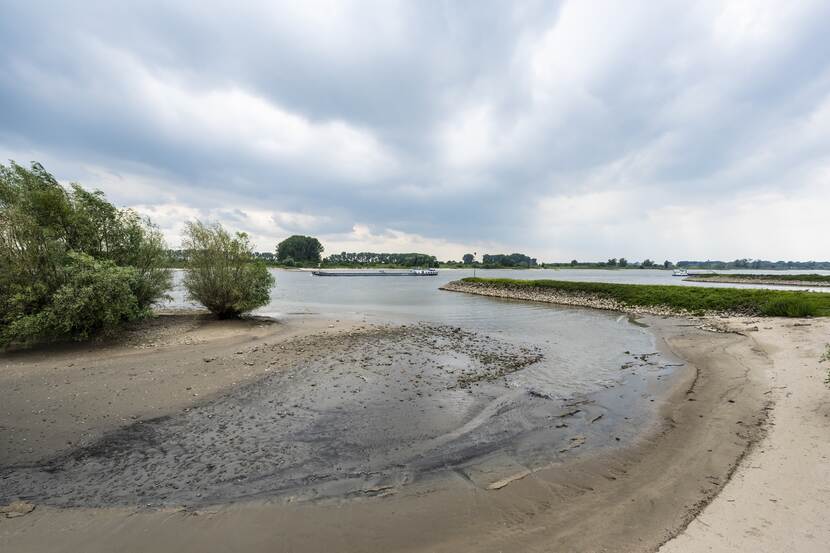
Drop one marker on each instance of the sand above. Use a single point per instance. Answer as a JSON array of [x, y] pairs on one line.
[[711, 424], [779, 498], [58, 398]]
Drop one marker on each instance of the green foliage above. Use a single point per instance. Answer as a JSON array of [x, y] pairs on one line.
[[788, 307], [350, 259], [299, 249], [96, 296], [222, 273], [71, 264], [468, 258], [754, 264], [693, 299], [511, 260]]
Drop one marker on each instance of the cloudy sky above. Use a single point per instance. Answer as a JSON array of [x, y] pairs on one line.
[[572, 129]]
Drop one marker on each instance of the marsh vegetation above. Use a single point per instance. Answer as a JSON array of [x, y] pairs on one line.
[[688, 299]]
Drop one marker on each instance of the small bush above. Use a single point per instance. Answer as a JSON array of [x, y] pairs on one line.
[[222, 273], [96, 296]]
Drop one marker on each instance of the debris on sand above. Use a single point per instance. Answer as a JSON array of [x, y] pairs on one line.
[[574, 442], [17, 509], [505, 481]]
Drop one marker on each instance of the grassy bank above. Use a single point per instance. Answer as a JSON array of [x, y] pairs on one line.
[[691, 299], [765, 278]]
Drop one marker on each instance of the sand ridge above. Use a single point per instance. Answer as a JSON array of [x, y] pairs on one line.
[[779, 497]]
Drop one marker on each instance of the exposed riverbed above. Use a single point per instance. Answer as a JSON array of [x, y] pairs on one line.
[[361, 412]]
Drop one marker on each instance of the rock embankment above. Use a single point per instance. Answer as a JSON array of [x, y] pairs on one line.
[[563, 297]]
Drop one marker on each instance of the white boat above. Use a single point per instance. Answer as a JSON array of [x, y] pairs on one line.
[[680, 273]]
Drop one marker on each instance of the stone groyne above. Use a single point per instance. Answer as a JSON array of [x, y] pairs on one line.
[[562, 297]]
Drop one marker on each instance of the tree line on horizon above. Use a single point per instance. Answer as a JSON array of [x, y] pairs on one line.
[[72, 265]]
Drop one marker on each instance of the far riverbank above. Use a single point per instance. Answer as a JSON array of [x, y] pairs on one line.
[[808, 281]]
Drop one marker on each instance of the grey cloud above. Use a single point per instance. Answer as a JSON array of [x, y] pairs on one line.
[[657, 104]]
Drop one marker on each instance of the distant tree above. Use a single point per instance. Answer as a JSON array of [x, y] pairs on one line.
[[667, 264], [300, 248], [222, 272], [623, 262], [647, 264], [372, 258], [574, 262], [612, 262], [511, 260], [468, 258]]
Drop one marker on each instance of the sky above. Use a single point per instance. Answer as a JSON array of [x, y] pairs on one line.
[[565, 130]]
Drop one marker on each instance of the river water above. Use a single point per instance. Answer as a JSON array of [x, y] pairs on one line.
[[583, 348]]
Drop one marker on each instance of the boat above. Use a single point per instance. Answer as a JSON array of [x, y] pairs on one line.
[[680, 273], [381, 272]]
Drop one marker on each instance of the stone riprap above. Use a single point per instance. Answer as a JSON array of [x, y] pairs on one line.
[[565, 297]]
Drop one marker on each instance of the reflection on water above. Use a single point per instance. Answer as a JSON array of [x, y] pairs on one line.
[[419, 297], [583, 348]]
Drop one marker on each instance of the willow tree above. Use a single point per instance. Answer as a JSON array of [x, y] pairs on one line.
[[222, 272], [71, 263]]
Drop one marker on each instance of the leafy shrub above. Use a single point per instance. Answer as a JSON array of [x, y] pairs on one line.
[[71, 264], [222, 273], [95, 296]]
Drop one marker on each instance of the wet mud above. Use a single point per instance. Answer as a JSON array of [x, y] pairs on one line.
[[360, 413]]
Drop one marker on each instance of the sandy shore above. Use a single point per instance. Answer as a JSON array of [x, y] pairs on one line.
[[58, 398], [631, 498], [779, 498]]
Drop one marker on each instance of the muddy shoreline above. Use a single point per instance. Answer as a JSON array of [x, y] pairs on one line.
[[502, 502], [442, 400]]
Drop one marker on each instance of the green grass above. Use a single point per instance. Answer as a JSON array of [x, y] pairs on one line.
[[693, 299], [743, 276]]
